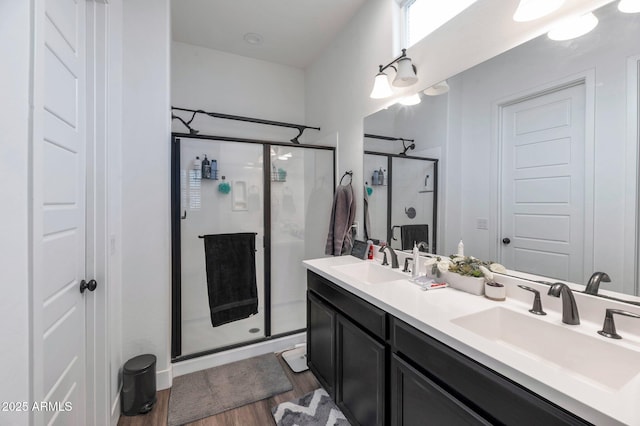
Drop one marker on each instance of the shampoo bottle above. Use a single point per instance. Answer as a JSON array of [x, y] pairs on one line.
[[206, 168], [214, 169], [460, 249]]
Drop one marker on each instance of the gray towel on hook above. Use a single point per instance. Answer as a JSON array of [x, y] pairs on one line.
[[343, 212]]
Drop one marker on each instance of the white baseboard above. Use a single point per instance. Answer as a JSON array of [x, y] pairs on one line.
[[164, 378], [202, 363]]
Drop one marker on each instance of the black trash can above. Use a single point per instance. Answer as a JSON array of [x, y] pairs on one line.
[[138, 385]]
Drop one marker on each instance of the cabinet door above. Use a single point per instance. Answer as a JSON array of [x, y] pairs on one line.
[[321, 342], [416, 400], [360, 378]]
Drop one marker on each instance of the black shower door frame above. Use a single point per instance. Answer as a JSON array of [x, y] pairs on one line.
[[176, 259]]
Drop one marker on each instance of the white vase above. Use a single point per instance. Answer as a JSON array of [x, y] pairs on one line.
[[495, 291], [471, 285]]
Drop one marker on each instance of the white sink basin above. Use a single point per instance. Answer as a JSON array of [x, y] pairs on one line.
[[558, 346], [371, 273]]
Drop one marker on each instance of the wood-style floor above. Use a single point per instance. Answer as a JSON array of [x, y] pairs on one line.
[[255, 414]]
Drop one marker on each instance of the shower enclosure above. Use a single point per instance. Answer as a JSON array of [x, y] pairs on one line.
[[282, 192]]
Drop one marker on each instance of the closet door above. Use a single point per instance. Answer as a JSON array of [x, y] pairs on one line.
[[59, 149]]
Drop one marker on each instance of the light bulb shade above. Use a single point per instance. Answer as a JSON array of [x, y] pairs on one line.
[[410, 100], [573, 27], [629, 6], [381, 88], [528, 10], [437, 89], [406, 75]]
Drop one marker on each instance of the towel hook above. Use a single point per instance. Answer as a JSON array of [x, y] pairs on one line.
[[347, 173]]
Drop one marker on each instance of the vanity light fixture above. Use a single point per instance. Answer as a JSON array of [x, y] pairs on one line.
[[410, 100], [437, 89], [529, 10], [573, 27], [405, 76], [629, 6]]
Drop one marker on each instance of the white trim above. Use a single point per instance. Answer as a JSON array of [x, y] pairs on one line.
[[588, 79], [115, 411], [630, 263], [100, 40], [201, 363], [164, 378], [113, 160]]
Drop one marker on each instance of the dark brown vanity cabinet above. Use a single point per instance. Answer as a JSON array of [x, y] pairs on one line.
[[346, 350], [475, 388], [380, 370]]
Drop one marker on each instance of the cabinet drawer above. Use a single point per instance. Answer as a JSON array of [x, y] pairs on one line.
[[369, 317], [494, 396]]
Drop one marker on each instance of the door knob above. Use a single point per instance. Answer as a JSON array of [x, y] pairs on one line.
[[91, 285], [506, 241]]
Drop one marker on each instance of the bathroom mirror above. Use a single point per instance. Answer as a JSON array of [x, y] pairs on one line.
[[538, 150]]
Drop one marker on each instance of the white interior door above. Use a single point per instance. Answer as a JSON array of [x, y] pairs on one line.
[[543, 155], [59, 173]]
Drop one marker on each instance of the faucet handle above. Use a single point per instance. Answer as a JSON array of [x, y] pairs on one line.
[[609, 326], [385, 262], [537, 303]]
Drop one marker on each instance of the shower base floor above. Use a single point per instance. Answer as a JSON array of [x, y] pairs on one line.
[[198, 335]]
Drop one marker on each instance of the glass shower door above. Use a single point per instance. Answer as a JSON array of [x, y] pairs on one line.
[[302, 181], [231, 201]]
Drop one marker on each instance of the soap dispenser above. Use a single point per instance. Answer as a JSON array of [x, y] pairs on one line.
[[416, 261]]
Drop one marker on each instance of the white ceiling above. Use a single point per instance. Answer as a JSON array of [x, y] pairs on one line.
[[294, 32]]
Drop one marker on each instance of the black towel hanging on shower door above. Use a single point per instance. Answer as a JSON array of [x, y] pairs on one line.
[[231, 276]]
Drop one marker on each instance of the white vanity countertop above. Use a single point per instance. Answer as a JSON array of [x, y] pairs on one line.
[[432, 311]]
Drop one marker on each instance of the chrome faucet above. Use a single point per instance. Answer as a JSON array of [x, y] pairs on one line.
[[569, 307], [594, 282], [394, 257]]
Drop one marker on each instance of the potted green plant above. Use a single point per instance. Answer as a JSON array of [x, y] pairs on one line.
[[469, 274]]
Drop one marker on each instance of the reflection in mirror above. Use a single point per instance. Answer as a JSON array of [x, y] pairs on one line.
[[540, 148], [401, 200]]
